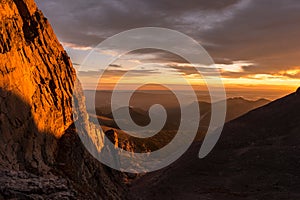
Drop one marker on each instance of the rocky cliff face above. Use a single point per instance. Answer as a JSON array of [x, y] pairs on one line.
[[40, 153], [35, 66]]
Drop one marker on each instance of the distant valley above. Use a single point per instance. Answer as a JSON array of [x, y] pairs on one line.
[[235, 108]]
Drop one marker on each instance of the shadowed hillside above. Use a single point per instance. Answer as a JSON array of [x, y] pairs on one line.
[[257, 157]]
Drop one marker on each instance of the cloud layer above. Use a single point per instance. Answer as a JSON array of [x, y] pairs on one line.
[[262, 32]]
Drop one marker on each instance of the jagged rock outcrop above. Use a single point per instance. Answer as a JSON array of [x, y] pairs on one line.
[[40, 153], [113, 137]]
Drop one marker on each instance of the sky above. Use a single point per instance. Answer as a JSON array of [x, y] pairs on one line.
[[255, 44]]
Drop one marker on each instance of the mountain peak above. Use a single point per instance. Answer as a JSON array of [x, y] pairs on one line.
[[298, 91]]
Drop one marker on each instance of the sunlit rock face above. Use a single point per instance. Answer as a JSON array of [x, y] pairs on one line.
[[41, 155], [36, 81], [35, 66]]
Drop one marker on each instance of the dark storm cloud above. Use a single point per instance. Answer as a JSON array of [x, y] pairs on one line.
[[189, 70], [116, 73], [90, 21], [157, 55], [264, 32], [115, 66]]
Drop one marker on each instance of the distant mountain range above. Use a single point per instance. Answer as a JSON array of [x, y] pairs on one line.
[[257, 157], [235, 108]]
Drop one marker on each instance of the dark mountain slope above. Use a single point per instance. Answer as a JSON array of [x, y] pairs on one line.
[[257, 157]]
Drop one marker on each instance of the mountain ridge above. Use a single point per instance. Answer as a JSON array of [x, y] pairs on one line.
[[256, 157]]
